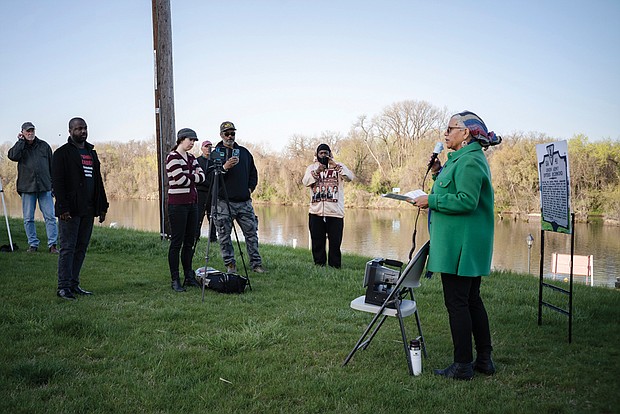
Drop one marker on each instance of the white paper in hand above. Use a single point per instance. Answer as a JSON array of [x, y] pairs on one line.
[[405, 197]]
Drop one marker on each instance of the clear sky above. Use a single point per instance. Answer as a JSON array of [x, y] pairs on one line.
[[278, 68]]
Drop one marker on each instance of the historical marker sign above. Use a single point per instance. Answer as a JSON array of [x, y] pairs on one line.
[[554, 185]]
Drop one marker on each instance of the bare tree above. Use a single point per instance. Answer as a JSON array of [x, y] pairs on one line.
[[368, 138]]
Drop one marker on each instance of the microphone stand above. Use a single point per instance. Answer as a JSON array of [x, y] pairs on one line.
[[415, 226]]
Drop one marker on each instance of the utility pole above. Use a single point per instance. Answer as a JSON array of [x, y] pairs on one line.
[[164, 102]]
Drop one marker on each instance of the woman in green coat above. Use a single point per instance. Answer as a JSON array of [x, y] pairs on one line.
[[461, 231]]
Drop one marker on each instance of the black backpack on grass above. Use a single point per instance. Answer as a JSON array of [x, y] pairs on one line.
[[225, 282]]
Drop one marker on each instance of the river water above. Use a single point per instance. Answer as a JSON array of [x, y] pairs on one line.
[[388, 234]]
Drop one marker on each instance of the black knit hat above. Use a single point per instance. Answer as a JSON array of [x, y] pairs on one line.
[[322, 147]]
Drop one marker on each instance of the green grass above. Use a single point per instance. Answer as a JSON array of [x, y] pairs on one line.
[[138, 347]]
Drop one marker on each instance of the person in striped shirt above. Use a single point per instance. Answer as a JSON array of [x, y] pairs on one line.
[[184, 173]]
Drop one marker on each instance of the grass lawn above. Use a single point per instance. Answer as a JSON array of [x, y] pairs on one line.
[[136, 346]]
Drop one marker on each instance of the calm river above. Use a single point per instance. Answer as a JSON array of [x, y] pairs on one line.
[[387, 233]]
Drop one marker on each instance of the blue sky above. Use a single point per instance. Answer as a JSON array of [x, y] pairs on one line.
[[279, 68]]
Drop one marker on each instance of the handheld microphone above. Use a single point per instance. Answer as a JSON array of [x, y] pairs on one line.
[[436, 152]]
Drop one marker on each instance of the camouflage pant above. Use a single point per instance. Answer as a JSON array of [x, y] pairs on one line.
[[243, 213]]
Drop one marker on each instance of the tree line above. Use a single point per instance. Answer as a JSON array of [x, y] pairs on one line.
[[390, 149]]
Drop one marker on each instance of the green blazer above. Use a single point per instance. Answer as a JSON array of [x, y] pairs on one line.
[[461, 222]]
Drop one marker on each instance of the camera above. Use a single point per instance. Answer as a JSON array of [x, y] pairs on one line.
[[218, 155]]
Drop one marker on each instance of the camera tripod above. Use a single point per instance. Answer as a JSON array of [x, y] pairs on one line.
[[218, 180], [6, 217]]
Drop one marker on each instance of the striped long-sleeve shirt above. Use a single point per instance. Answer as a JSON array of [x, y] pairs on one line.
[[182, 178]]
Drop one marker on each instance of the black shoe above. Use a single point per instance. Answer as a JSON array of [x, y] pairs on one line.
[[65, 294], [32, 249], [190, 280], [484, 364], [79, 291], [176, 286], [458, 371]]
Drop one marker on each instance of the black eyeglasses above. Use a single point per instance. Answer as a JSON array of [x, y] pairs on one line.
[[229, 134], [450, 128]]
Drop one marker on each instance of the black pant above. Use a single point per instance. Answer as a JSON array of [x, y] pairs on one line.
[[183, 219], [204, 205], [74, 237], [467, 315], [320, 228]]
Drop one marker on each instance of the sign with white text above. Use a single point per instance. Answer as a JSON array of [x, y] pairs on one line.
[[554, 186]]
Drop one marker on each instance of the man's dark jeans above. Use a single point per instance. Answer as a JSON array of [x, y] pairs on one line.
[[74, 237]]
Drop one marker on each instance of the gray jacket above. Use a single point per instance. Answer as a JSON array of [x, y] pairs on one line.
[[34, 165]]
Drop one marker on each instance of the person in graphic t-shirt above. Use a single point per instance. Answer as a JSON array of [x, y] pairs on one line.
[[326, 213], [80, 197]]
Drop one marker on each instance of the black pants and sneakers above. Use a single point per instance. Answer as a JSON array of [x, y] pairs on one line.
[[468, 317], [183, 220], [74, 236], [321, 229]]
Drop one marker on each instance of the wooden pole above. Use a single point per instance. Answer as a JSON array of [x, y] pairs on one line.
[[164, 102]]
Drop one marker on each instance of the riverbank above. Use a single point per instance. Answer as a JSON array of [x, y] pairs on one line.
[[137, 346], [375, 202]]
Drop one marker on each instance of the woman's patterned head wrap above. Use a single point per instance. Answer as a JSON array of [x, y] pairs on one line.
[[477, 129]]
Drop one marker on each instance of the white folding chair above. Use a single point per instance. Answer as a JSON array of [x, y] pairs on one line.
[[407, 280]]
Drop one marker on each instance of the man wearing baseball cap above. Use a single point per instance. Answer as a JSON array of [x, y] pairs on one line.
[[34, 183], [240, 179], [204, 190]]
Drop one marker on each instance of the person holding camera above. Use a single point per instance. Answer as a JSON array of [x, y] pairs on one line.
[[240, 179], [34, 183], [184, 173], [461, 230], [326, 214], [204, 189]]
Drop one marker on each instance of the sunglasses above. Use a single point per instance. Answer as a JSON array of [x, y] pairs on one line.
[[229, 134]]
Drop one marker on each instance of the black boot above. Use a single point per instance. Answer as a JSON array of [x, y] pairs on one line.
[[458, 370], [176, 284], [484, 364], [190, 280]]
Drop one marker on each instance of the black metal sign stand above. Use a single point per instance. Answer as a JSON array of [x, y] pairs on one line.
[[568, 292]]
